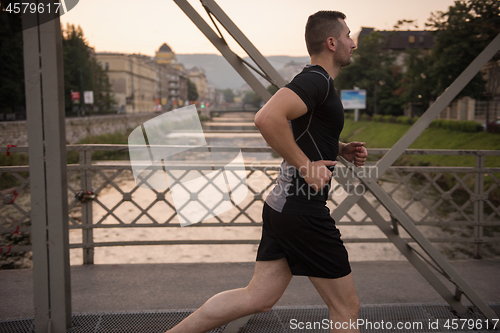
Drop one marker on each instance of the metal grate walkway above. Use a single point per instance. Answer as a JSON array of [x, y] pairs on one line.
[[376, 318]]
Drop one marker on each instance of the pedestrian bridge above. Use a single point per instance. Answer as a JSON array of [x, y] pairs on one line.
[[453, 206]]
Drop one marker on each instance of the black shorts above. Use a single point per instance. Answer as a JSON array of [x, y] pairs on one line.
[[310, 243]]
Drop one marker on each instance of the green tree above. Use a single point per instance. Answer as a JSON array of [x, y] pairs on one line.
[[82, 72], [228, 95], [373, 69], [192, 91], [417, 83], [462, 33], [11, 66], [252, 98], [102, 88], [272, 89]]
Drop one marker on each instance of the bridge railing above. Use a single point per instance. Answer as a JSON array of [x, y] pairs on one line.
[[459, 205], [212, 112]]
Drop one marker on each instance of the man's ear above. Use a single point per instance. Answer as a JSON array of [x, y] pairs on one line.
[[331, 44]]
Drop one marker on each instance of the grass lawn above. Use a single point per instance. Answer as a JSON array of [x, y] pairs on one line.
[[385, 135]]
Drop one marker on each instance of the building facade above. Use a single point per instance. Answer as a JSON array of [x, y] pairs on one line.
[[400, 41], [173, 80], [142, 83], [198, 77], [134, 81]]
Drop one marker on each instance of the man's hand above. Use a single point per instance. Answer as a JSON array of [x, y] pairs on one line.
[[355, 152], [317, 174]]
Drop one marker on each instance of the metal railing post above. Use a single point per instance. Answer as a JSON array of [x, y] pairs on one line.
[[479, 206], [38, 213], [87, 230], [44, 77]]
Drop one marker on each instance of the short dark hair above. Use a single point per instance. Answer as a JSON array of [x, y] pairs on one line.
[[320, 26]]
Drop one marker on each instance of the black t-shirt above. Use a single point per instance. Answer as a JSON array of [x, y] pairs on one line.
[[317, 134]]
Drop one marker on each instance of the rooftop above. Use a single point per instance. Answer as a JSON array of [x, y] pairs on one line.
[[402, 40], [165, 48]]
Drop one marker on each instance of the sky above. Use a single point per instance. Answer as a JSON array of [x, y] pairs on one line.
[[275, 27]]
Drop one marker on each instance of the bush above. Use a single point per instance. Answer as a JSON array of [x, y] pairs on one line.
[[453, 125], [389, 119], [405, 120], [457, 125], [8, 180], [438, 123]]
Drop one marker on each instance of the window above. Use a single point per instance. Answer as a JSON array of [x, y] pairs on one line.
[[411, 39]]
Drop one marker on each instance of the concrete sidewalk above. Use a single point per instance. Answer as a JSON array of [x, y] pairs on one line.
[[150, 287]]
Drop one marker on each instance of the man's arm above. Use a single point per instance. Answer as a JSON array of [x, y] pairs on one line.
[[272, 122]]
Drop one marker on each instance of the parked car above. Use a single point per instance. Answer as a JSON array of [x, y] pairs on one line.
[[493, 127]]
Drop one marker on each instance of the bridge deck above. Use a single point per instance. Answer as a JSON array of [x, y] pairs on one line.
[[159, 290]]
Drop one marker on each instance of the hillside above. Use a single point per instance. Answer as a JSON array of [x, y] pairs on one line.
[[220, 73]]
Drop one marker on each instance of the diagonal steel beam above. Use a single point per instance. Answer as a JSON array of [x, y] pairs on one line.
[[218, 41], [273, 76], [411, 256], [396, 211], [423, 122], [406, 222], [435, 109], [393, 235], [401, 217]]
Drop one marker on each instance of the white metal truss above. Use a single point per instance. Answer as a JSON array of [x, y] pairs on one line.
[[267, 71]]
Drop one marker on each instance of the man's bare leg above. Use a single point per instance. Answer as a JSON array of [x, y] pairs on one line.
[[342, 301], [269, 282]]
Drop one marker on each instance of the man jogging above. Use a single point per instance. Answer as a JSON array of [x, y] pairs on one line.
[[302, 123]]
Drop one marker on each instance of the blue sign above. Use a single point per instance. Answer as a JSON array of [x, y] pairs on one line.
[[353, 99]]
